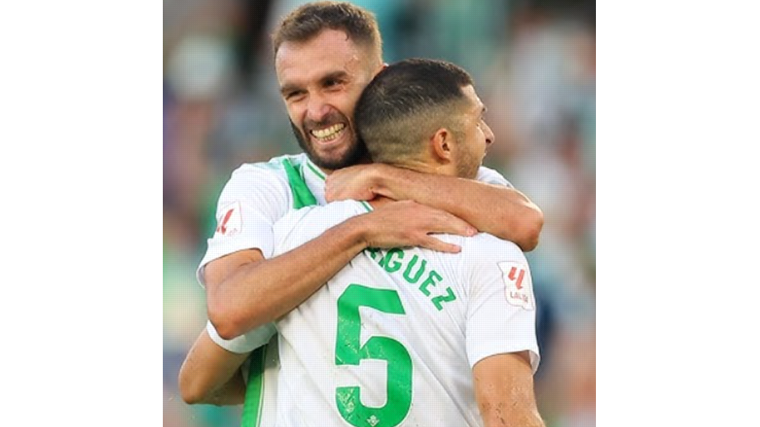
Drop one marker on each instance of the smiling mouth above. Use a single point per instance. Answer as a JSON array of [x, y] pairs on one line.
[[328, 134]]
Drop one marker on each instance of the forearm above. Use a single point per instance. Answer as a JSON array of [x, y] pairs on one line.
[[504, 391], [504, 212], [264, 291], [211, 374]]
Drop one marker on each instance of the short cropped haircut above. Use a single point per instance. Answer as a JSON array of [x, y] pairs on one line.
[[307, 21], [408, 102]]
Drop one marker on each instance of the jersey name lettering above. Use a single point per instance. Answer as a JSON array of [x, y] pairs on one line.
[[396, 260]]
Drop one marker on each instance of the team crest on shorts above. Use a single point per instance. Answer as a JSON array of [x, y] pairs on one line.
[[231, 222], [519, 289]]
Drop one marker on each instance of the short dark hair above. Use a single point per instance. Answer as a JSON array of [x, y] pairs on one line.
[[309, 20], [406, 103]]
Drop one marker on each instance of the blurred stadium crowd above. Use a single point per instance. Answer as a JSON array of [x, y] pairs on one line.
[[534, 66]]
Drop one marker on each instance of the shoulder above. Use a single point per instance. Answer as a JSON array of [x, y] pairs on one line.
[[479, 250], [274, 166], [490, 176], [483, 246], [486, 248], [262, 185], [262, 174]]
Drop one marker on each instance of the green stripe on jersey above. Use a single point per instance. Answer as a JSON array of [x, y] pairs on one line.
[[315, 170], [302, 196], [254, 393]]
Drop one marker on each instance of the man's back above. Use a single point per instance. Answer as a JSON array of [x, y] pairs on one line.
[[392, 338]]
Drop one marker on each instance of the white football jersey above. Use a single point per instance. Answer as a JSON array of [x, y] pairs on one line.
[[253, 200], [391, 339]]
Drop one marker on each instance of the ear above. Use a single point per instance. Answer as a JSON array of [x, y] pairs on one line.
[[442, 144]]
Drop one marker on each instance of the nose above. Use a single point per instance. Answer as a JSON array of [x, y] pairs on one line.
[[490, 137], [317, 108]]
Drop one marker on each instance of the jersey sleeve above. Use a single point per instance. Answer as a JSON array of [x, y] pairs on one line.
[[245, 343], [251, 202], [501, 310], [300, 226], [490, 176]]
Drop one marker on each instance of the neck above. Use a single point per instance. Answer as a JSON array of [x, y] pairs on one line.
[[428, 166], [363, 161]]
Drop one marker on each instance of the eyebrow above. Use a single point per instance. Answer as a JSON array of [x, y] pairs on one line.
[[335, 75]]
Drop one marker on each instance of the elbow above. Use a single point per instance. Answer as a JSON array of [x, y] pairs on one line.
[[226, 325], [191, 389], [530, 241], [231, 323], [230, 333], [532, 227], [222, 315], [534, 420], [190, 395]]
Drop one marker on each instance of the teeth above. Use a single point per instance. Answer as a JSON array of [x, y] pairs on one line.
[[328, 134]]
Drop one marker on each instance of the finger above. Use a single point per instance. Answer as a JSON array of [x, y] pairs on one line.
[[454, 225], [439, 245]]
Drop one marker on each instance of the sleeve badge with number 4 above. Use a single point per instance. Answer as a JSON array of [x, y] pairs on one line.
[[519, 289], [230, 222]]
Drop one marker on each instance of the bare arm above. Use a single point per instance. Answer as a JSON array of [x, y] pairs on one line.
[[245, 291], [504, 391], [211, 374], [504, 212]]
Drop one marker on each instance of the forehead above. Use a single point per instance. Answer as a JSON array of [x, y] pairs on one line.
[[330, 51], [476, 105]]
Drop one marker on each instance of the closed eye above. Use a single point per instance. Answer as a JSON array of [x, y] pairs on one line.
[[294, 95], [333, 83], [335, 80], [482, 118]]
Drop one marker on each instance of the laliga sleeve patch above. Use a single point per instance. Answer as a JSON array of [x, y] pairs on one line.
[[230, 222], [519, 289]]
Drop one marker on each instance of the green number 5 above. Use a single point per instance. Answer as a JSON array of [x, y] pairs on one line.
[[349, 352]]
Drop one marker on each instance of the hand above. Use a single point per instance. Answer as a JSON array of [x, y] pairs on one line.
[[408, 223], [354, 182]]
